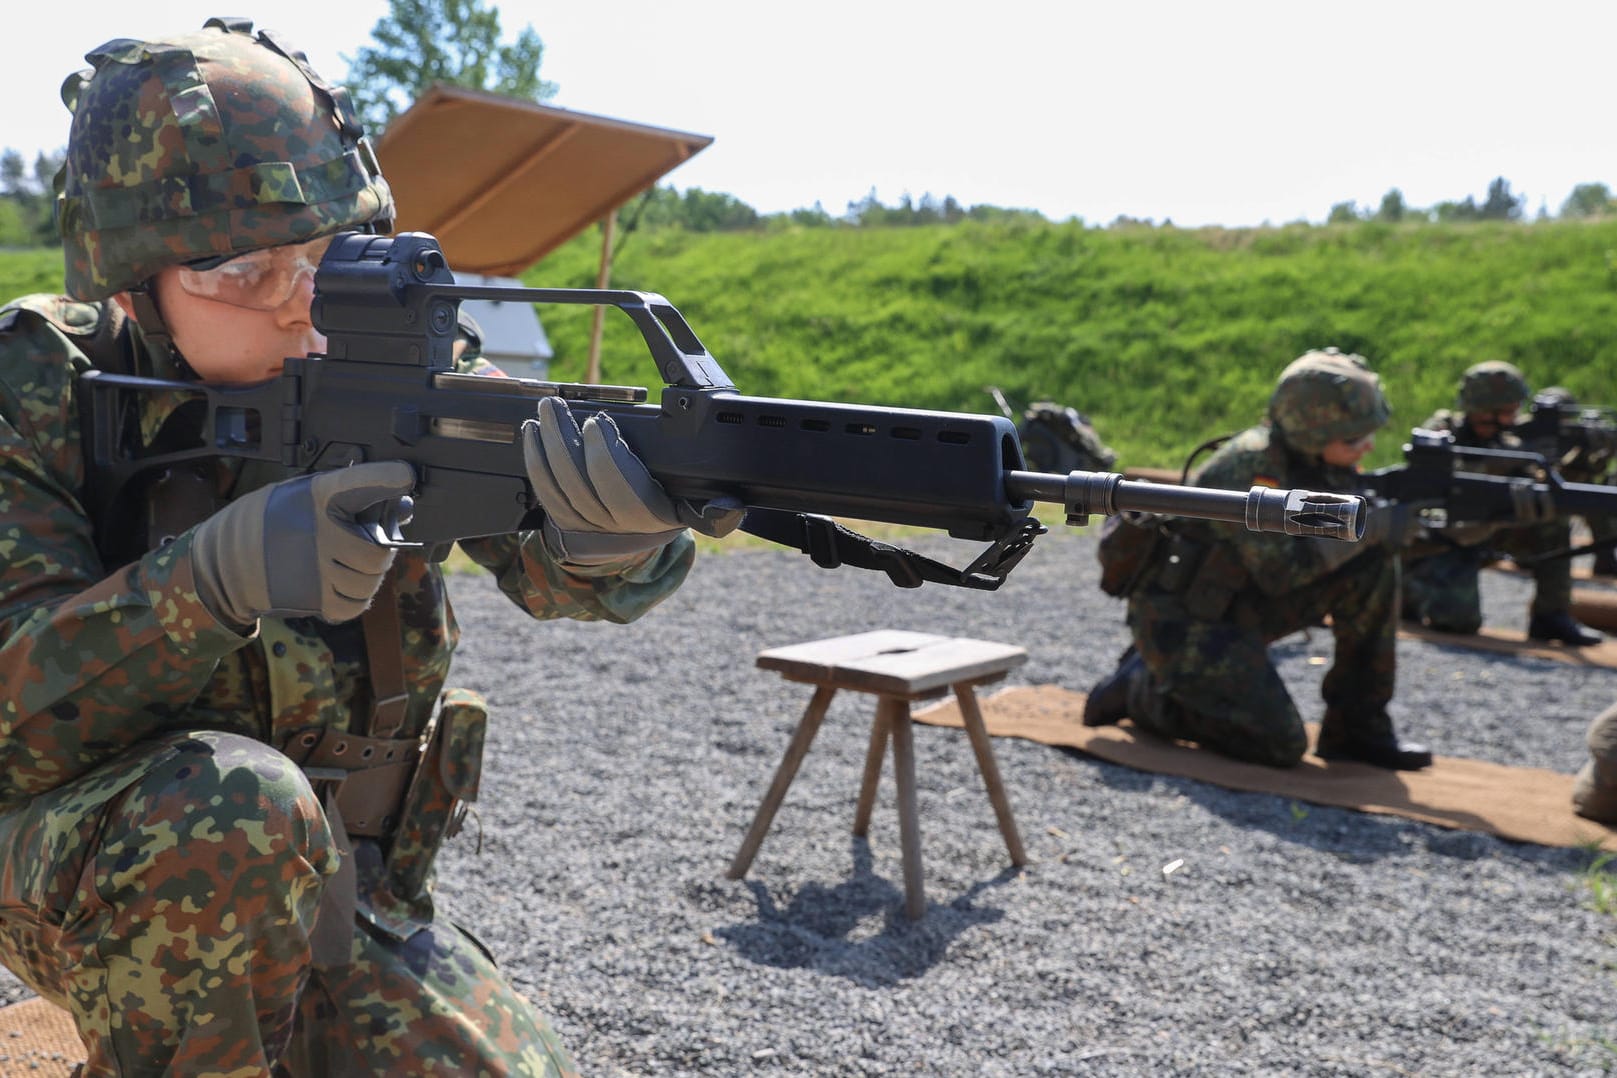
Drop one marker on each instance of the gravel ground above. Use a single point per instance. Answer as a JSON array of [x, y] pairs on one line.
[[625, 764]]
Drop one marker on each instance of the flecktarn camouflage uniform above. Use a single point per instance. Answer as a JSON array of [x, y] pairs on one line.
[[169, 867], [164, 858]]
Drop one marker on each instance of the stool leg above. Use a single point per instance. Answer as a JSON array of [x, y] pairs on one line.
[[802, 737], [873, 757], [978, 732], [909, 819]]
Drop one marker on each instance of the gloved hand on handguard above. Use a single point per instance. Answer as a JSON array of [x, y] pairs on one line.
[[600, 502]]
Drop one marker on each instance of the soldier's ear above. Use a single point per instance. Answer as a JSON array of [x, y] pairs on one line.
[[124, 303]]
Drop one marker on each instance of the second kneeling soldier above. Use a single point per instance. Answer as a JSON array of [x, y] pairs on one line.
[[1213, 596]]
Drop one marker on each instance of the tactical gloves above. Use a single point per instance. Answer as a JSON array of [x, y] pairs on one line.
[[600, 502], [295, 548]]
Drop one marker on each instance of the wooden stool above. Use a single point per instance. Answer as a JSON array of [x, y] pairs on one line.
[[899, 668]]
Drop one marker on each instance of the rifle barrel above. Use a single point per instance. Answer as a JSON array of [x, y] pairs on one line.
[[1261, 509]]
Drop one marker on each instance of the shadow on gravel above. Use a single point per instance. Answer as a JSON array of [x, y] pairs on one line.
[[830, 929]]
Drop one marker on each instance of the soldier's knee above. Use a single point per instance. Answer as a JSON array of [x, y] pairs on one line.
[[1272, 741], [1453, 616], [232, 795], [1594, 792], [1602, 737], [1278, 751]]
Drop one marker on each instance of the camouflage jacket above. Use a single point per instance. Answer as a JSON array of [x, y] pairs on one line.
[[1274, 564], [95, 658]]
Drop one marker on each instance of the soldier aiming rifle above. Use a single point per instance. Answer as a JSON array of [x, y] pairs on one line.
[[230, 751]]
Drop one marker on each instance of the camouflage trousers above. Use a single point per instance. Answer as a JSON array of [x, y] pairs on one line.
[[166, 900], [1443, 590], [1212, 682]]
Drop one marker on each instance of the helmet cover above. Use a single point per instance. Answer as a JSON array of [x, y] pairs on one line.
[[1327, 395], [1490, 386], [201, 145]]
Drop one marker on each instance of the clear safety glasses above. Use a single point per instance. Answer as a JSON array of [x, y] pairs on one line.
[[260, 280], [1362, 444]]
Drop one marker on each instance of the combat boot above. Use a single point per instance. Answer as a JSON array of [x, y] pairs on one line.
[[1561, 626], [1108, 701], [1370, 742], [1388, 752]]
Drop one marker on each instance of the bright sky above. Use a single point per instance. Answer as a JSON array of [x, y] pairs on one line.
[[1235, 112]]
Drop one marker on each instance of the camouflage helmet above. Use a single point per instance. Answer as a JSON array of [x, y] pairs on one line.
[[1490, 386], [1326, 395], [201, 145]]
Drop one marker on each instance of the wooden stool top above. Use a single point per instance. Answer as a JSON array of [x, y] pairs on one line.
[[893, 662]]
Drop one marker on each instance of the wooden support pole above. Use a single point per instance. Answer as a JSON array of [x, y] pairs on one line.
[[603, 279]]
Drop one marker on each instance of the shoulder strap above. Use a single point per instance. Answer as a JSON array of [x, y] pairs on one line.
[[831, 546], [384, 657], [1206, 447]]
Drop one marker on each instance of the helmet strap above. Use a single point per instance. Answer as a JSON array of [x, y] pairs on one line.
[[154, 329]]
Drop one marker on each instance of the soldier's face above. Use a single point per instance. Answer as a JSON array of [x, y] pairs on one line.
[[1346, 453], [1488, 424], [230, 344]]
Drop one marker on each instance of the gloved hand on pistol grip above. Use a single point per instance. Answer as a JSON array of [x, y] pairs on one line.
[[600, 502], [296, 549]]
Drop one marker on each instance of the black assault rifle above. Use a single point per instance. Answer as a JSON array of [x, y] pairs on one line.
[[385, 390], [1433, 479]]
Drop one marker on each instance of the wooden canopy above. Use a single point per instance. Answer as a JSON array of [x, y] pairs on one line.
[[503, 182]]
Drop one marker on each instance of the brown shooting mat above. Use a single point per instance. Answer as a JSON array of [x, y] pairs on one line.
[[37, 1039], [1515, 642], [1595, 607], [1518, 803]]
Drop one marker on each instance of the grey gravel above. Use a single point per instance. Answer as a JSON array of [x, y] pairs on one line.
[[625, 763]]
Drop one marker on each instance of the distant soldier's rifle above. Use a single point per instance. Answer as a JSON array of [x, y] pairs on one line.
[[384, 389], [1433, 480]]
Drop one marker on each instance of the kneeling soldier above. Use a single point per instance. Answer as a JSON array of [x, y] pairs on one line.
[[1215, 595]]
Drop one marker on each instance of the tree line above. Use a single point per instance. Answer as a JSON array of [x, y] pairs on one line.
[[1587, 200], [26, 199], [26, 208]]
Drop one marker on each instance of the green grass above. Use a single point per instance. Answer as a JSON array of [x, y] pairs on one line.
[[1600, 881]]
